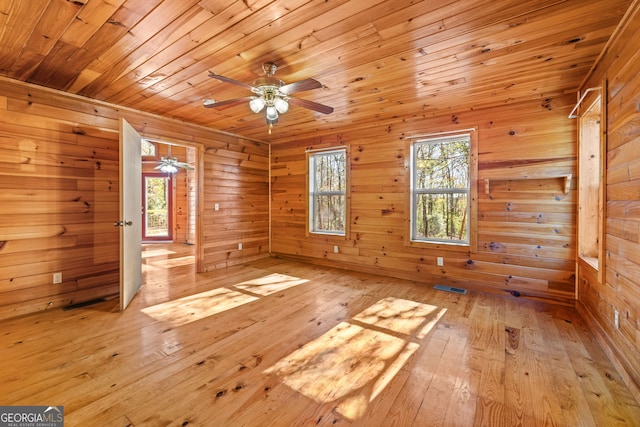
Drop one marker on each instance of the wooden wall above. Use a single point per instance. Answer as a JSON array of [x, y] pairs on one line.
[[237, 179], [525, 228], [181, 197], [620, 288], [59, 194]]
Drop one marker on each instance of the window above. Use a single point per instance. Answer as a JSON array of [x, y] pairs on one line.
[[149, 149], [590, 186], [327, 191], [440, 189], [157, 207]]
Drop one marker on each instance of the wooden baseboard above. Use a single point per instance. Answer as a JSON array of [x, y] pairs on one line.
[[476, 286], [611, 350], [57, 301]]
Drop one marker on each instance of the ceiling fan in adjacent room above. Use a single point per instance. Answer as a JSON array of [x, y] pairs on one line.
[[271, 94], [171, 164]]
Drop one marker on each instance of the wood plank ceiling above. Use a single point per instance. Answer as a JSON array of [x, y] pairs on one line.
[[378, 60]]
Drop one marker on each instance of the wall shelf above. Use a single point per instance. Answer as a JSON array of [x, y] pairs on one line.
[[566, 181]]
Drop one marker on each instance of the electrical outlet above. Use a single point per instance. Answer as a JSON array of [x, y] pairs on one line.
[[216, 206], [57, 278], [616, 319], [440, 261], [336, 249], [239, 246]]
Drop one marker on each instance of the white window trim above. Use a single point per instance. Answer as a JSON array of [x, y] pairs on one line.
[[468, 191], [311, 193]]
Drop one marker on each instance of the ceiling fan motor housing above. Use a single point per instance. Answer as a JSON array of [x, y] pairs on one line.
[[269, 85]]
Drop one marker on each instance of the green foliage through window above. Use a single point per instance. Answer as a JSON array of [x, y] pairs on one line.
[[148, 148], [440, 189], [157, 206]]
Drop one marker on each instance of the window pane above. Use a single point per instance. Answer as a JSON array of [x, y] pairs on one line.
[[148, 148], [442, 164], [330, 172], [329, 213], [441, 216], [156, 210]]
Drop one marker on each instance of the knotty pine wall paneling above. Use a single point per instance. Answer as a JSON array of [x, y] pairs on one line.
[[237, 179], [59, 193], [525, 228], [620, 289], [181, 197]]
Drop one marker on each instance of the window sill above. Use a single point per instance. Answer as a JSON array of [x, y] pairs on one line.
[[323, 234], [453, 247], [590, 261]]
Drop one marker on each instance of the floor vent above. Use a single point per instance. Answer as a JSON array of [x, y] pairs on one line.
[[450, 289], [83, 304]]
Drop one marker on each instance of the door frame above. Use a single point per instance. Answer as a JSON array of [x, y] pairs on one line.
[[198, 151]]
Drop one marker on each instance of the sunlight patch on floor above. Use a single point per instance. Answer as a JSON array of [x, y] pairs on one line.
[[355, 405], [175, 262], [395, 314], [147, 268], [352, 363], [344, 360], [148, 253], [270, 284], [194, 307]]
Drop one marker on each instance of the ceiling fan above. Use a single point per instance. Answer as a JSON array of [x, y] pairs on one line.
[[272, 93], [171, 164]]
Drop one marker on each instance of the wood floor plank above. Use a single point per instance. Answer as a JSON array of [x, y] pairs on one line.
[[281, 343]]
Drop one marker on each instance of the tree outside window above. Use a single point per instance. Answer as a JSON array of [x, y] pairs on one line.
[[157, 205], [440, 189], [148, 148], [327, 192]]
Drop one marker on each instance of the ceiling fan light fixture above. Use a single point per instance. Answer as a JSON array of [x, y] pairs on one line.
[[281, 105], [272, 113], [168, 168], [257, 104]]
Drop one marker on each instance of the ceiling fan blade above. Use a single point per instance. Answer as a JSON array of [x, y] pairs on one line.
[[325, 109], [232, 81], [301, 86], [227, 103], [183, 165]]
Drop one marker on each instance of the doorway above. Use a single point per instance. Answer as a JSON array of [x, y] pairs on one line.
[[170, 186]]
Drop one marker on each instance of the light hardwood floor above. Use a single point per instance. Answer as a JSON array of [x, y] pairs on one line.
[[280, 343]]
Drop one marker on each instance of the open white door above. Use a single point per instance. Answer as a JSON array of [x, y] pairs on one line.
[[130, 222]]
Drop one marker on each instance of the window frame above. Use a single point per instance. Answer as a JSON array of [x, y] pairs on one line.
[[311, 155], [591, 233], [470, 244], [155, 150]]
